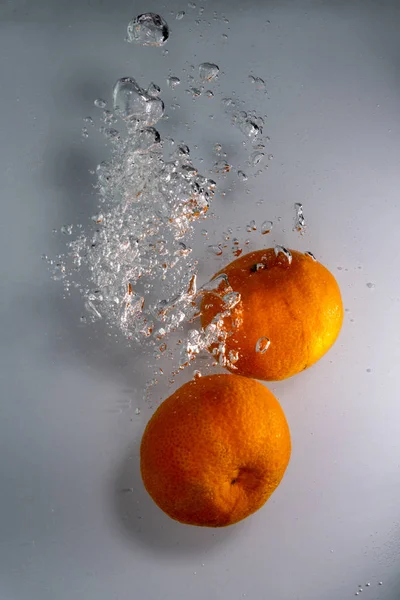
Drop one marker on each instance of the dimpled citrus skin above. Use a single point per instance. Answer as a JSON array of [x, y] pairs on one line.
[[298, 306], [215, 450]]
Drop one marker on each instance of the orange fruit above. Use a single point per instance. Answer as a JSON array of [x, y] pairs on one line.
[[289, 314], [215, 450]]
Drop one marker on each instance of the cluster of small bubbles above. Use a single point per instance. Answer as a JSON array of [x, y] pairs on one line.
[[299, 220], [250, 124], [67, 229], [286, 253], [208, 71], [266, 227], [262, 345], [148, 29], [173, 81], [180, 15], [149, 205]]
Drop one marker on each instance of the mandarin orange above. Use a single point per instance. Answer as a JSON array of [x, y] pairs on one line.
[[215, 450], [289, 315]]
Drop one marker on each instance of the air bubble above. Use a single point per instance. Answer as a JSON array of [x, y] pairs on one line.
[[311, 255], [208, 71], [209, 94], [137, 411], [180, 15], [216, 249], [173, 81], [242, 176], [131, 102], [262, 345], [266, 227], [222, 167], [299, 221], [256, 158], [148, 29], [281, 249], [370, 285], [100, 103], [251, 226]]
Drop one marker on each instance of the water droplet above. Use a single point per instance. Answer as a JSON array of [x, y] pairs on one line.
[[191, 5], [148, 29], [209, 94], [137, 411], [266, 227], [299, 221], [262, 345], [311, 255], [100, 103], [370, 285], [242, 176], [225, 36], [131, 102], [368, 584], [180, 15], [285, 252], [380, 583], [196, 374], [89, 120], [208, 71], [173, 81], [369, 370]]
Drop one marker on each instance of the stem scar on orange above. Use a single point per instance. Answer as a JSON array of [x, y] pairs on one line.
[[215, 450], [290, 313]]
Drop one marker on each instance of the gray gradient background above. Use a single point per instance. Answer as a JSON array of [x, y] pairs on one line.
[[68, 432]]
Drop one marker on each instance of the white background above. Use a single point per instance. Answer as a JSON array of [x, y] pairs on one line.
[[69, 434]]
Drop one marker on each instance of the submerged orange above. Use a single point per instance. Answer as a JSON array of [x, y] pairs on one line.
[[290, 313], [215, 450]]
